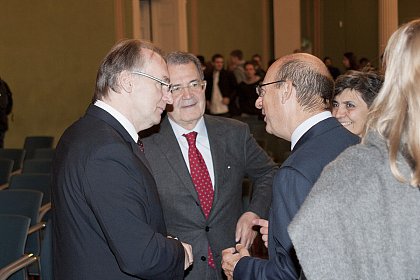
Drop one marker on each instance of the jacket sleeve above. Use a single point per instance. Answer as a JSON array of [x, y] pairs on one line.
[[121, 194], [260, 169]]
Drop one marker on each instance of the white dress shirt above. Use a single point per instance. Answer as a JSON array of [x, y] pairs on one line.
[[120, 118], [202, 143]]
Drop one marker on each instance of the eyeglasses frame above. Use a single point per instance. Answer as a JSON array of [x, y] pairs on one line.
[[260, 92], [202, 83], [162, 82]]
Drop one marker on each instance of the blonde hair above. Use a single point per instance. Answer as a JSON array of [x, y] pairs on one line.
[[395, 113]]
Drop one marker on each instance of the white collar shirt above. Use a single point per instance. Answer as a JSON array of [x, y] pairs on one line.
[[120, 118], [202, 143]]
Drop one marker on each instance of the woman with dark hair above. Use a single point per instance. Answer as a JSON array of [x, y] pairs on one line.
[[354, 93]]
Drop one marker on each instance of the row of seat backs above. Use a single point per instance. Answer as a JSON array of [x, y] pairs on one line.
[[41, 157]]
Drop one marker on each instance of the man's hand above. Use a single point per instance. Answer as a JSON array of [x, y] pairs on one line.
[[188, 255], [231, 258], [263, 230], [244, 232], [226, 100]]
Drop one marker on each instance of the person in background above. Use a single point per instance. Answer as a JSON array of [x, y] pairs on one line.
[[334, 71], [361, 220], [256, 58], [350, 61], [353, 95], [293, 99], [6, 105], [246, 91], [202, 62], [107, 217], [220, 89], [199, 163], [364, 64], [236, 65]]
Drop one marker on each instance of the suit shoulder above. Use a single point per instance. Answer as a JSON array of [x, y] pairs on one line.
[[225, 122]]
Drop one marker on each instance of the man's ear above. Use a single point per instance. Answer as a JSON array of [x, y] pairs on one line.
[[287, 92], [125, 81]]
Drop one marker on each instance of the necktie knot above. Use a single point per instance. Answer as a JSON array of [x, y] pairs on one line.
[[191, 138]]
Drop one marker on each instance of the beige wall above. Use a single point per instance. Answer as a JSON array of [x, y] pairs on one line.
[[223, 26], [49, 54]]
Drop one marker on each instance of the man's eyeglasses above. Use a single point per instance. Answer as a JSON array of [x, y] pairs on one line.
[[162, 83], [261, 92], [193, 86]]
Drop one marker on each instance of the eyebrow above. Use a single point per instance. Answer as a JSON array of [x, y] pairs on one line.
[[166, 79]]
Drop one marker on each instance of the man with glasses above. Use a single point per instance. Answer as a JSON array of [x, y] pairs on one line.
[[199, 163], [108, 220], [293, 98]]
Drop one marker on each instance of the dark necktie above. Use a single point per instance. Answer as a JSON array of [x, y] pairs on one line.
[[201, 179], [141, 146]]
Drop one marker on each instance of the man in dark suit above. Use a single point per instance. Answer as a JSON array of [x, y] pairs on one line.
[[229, 153], [220, 89], [108, 221], [293, 99]]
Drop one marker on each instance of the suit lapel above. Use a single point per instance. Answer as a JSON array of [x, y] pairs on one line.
[[109, 119], [318, 129], [168, 144], [218, 153]]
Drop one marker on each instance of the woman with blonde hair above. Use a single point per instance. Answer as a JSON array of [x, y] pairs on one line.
[[362, 218]]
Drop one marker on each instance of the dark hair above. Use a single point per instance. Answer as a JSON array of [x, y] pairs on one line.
[[215, 56], [311, 86], [180, 58], [250, 63], [352, 60], [237, 53], [202, 59], [367, 83], [125, 55]]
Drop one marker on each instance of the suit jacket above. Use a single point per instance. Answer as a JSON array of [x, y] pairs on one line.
[[235, 154], [108, 222], [320, 145]]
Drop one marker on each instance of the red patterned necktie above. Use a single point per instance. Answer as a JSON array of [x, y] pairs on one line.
[[201, 179]]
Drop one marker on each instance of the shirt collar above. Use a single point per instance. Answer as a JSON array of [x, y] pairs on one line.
[[307, 124], [200, 128], [120, 118]]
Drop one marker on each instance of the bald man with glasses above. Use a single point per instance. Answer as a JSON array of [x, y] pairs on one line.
[[199, 163], [293, 98]]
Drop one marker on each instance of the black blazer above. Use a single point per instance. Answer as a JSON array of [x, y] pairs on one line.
[[315, 149], [108, 222], [227, 84]]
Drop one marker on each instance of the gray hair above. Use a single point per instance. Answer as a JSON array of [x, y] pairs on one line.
[[180, 58], [125, 55], [313, 89]]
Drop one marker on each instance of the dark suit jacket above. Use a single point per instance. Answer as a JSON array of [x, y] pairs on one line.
[[315, 149], [235, 154], [108, 222]]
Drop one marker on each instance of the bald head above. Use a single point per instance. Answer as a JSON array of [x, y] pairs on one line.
[[313, 82]]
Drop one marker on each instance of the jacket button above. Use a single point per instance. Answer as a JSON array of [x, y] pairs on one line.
[[207, 229], [203, 258]]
